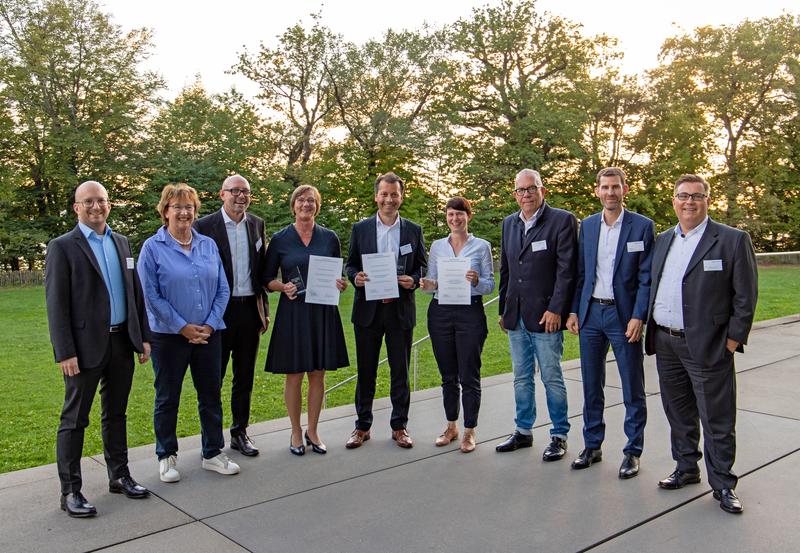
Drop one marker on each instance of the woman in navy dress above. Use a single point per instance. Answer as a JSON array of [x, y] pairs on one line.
[[306, 338]]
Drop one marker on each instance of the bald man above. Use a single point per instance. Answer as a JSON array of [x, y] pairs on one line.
[[243, 247], [95, 310]]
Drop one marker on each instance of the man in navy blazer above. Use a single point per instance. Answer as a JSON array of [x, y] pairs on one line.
[[702, 303], [242, 245], [97, 320], [392, 320], [538, 250], [612, 289]]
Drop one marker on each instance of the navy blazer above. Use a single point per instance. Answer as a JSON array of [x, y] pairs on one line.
[[631, 279], [364, 239], [78, 308], [717, 304], [532, 282]]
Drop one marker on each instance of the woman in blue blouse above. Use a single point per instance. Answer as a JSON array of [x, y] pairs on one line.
[[458, 332], [185, 293], [307, 339]]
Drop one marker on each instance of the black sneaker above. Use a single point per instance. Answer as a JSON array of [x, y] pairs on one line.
[[556, 450]]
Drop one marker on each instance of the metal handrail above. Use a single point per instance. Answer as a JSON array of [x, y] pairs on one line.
[[414, 363]]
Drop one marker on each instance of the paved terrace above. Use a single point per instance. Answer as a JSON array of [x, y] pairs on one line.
[[385, 499]]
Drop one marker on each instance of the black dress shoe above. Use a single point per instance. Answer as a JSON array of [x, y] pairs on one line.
[[586, 458], [678, 479], [297, 449], [728, 501], [244, 445], [316, 448], [629, 467], [556, 450], [76, 505], [514, 442], [129, 487]]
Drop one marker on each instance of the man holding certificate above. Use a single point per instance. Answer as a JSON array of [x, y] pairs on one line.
[[383, 307], [460, 274]]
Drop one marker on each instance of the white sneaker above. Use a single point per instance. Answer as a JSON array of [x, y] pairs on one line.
[[167, 470], [221, 464]]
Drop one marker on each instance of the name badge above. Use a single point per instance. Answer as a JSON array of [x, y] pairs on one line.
[[129, 262], [635, 246], [406, 249], [539, 246], [712, 264], [259, 244]]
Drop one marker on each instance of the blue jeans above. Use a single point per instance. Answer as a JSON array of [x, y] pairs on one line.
[[546, 349]]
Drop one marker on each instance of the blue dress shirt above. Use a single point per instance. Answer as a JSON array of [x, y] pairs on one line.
[[182, 287], [479, 253], [105, 252]]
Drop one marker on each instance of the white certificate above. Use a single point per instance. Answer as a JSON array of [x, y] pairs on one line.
[[381, 269], [322, 274], [453, 286]]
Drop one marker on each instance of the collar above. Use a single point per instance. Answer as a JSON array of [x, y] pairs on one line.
[[88, 232], [380, 223], [616, 223], [533, 217], [698, 229], [163, 235], [227, 219]]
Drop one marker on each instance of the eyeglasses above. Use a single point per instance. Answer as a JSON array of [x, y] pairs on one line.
[[697, 196], [179, 208], [237, 191], [305, 201], [101, 202], [530, 190]]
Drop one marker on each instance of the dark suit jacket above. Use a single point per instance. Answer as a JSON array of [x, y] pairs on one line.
[[631, 280], [532, 282], [213, 226], [717, 305], [363, 239], [78, 309]]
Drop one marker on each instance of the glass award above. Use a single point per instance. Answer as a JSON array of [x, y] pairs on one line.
[[296, 278]]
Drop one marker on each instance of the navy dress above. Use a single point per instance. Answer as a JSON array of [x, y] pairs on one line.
[[305, 336]]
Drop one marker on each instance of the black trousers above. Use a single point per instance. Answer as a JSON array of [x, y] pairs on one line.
[[693, 394], [240, 346], [386, 326], [458, 333], [115, 376]]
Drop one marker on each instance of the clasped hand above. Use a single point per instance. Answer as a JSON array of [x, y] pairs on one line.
[[197, 334]]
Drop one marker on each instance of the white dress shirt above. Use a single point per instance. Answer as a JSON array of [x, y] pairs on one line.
[[606, 254], [388, 236], [668, 306], [529, 222], [240, 255], [479, 253]]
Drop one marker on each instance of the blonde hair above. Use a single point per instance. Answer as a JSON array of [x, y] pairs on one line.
[[181, 192]]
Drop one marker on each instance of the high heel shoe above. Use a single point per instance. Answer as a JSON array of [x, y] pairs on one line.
[[297, 450], [316, 448]]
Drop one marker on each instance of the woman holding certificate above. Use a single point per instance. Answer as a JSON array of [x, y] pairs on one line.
[[460, 272], [307, 336]]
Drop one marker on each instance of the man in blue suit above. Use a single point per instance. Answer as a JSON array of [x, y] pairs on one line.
[[610, 306]]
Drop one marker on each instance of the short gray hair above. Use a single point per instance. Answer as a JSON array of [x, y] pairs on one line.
[[537, 178]]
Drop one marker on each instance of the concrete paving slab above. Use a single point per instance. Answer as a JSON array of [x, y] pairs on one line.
[[33, 521], [771, 389], [190, 538], [769, 522], [487, 501]]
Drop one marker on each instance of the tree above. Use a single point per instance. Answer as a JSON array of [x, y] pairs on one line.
[[77, 102]]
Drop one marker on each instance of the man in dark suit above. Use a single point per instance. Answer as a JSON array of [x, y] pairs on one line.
[[612, 288], [243, 247], [391, 320], [702, 302], [96, 315], [538, 250]]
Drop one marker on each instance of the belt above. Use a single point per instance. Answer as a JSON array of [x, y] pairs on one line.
[[241, 299], [113, 329], [389, 300], [676, 332], [603, 301]]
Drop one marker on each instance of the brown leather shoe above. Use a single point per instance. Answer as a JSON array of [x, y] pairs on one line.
[[450, 433], [357, 438], [402, 438], [468, 441]]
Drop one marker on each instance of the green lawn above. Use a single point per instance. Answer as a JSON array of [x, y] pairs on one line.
[[32, 389]]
